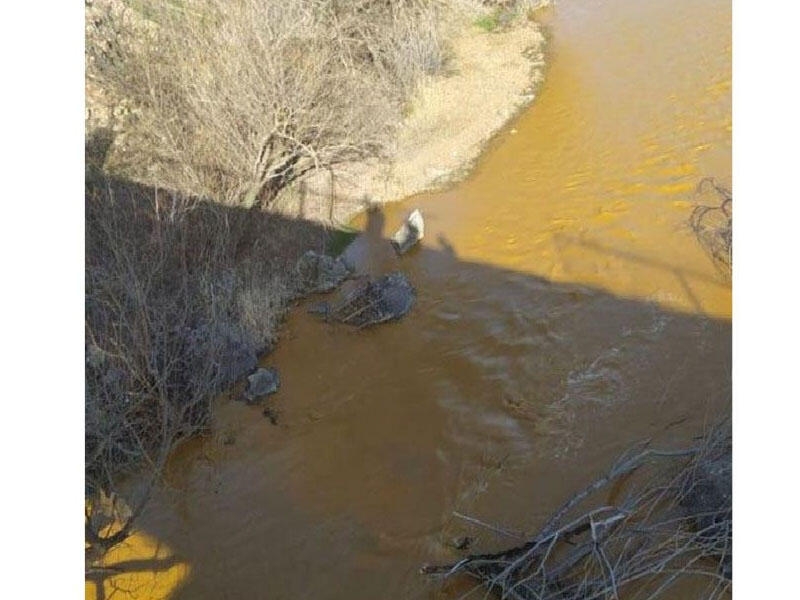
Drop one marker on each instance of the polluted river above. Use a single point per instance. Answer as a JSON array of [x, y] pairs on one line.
[[564, 311]]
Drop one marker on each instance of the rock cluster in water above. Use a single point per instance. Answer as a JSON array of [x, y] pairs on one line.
[[379, 300]]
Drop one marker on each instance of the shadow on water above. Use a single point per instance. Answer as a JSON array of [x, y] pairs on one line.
[[105, 580], [498, 396], [683, 274]]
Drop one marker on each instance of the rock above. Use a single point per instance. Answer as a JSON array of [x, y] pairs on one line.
[[321, 273], [261, 383], [384, 299], [410, 232]]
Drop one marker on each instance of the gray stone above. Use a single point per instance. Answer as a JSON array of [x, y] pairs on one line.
[[320, 273], [410, 233], [261, 383]]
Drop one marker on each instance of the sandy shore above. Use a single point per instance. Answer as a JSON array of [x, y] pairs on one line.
[[489, 78]]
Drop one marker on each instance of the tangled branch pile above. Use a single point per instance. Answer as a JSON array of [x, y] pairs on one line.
[[386, 298], [181, 296], [673, 526], [713, 223], [235, 99]]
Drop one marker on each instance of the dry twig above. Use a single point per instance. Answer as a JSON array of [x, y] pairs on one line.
[[675, 524]]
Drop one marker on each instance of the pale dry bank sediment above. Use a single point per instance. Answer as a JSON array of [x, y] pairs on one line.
[[490, 77]]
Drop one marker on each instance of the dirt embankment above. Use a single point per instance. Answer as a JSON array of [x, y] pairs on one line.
[[490, 76]]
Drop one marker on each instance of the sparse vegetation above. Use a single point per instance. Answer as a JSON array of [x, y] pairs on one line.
[[181, 297], [495, 15], [236, 99], [489, 22]]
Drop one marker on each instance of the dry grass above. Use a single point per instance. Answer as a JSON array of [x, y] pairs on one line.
[[235, 99], [231, 100], [181, 297], [673, 525]]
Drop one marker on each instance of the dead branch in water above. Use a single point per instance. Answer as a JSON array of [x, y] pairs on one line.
[[675, 524], [713, 223]]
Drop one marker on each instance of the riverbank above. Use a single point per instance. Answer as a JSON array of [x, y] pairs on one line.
[[240, 277], [490, 76]]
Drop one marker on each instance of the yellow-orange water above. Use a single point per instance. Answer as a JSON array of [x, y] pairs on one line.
[[564, 311]]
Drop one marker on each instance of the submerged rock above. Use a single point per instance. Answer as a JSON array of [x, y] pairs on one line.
[[261, 383], [321, 273], [384, 299], [410, 232]]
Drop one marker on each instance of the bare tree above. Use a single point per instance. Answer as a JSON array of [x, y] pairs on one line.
[[235, 99]]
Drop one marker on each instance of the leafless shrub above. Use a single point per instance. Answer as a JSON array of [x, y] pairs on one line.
[[181, 296], [235, 99], [674, 524], [712, 222]]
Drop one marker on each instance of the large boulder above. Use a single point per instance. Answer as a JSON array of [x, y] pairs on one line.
[[384, 299], [320, 273], [262, 383]]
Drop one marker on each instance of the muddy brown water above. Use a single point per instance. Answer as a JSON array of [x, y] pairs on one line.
[[564, 311]]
